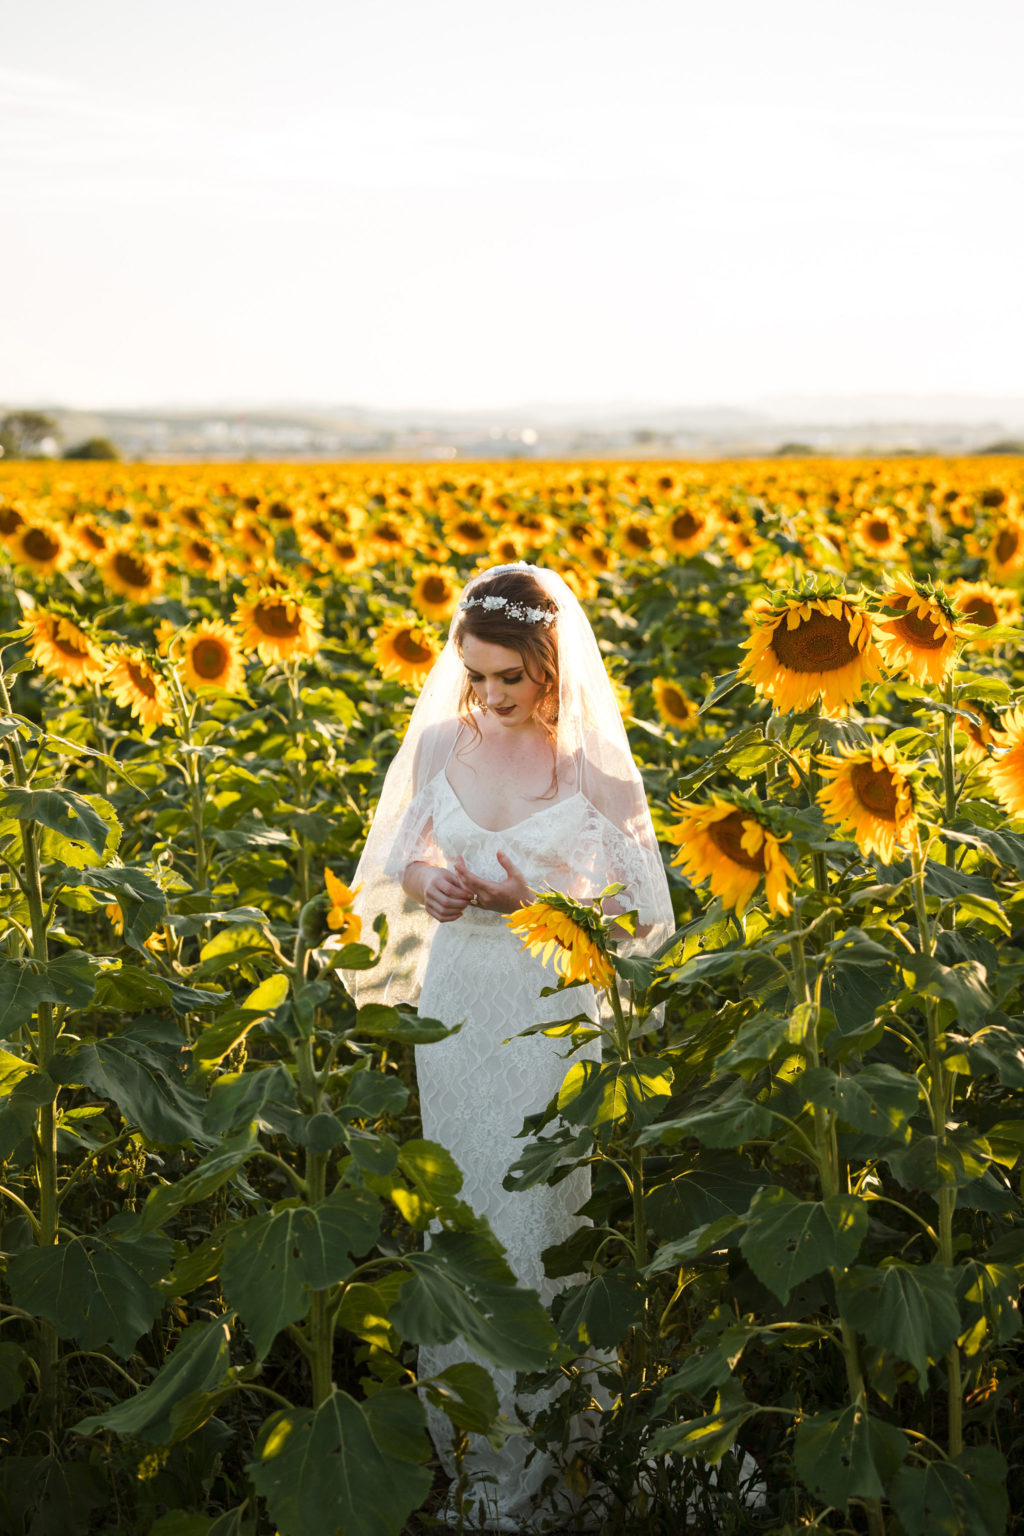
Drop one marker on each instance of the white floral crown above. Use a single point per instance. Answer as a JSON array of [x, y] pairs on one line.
[[512, 610]]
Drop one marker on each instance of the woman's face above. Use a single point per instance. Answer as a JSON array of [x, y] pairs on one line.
[[500, 680]]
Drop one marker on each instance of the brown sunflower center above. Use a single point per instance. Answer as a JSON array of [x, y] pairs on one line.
[[210, 657], [727, 836], [469, 528], [132, 571], [142, 679], [1006, 545], [10, 520], [40, 545], [409, 649], [820, 643], [638, 536], [201, 552], [685, 525], [388, 533], [71, 646], [92, 536], [434, 589], [277, 620], [875, 788], [878, 531], [346, 549], [674, 703], [981, 610], [917, 631]]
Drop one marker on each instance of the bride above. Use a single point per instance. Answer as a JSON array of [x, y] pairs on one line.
[[515, 777]]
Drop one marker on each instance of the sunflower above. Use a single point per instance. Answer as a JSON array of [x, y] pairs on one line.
[[728, 845], [982, 603], [41, 546], [90, 537], [689, 529], [276, 624], [870, 798], [132, 572], [341, 917], [203, 555], [134, 683], [468, 535], [61, 649], [212, 657], [1005, 551], [811, 648], [1007, 775], [405, 651], [672, 704], [435, 592], [878, 533], [921, 640], [638, 538], [550, 931]]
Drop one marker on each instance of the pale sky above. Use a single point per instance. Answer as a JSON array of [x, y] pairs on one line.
[[464, 202]]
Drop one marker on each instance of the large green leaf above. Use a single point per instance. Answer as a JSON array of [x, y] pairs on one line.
[[323, 1471], [910, 1310], [376, 1021], [965, 1496], [142, 902], [18, 1109], [713, 1186], [209, 1174], [24, 984], [988, 1295], [726, 1125], [712, 1434], [962, 984], [237, 1097], [548, 1159], [199, 1361], [877, 1098], [466, 1393], [600, 1312], [847, 1454], [462, 1287], [271, 1262], [146, 1085], [70, 815], [597, 1095], [787, 1240], [13, 1369], [89, 1290]]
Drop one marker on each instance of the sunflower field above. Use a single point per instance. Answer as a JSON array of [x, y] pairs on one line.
[[799, 1279]]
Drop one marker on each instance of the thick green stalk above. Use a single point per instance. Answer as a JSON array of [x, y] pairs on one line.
[[949, 795], [940, 1084], [319, 1326], [299, 778]]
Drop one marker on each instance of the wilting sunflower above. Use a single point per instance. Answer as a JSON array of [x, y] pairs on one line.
[[879, 534], [550, 930], [41, 546], [973, 723], [61, 649], [734, 849], [811, 648], [870, 798], [1007, 775], [211, 657], [132, 572], [134, 683], [435, 592], [345, 922], [982, 603], [672, 704], [921, 640], [405, 651], [276, 624]]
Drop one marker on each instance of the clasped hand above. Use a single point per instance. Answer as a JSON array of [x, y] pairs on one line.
[[450, 891]]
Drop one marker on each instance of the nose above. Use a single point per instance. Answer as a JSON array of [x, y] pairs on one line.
[[495, 693]]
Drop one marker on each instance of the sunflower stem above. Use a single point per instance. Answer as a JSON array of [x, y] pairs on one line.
[[299, 776], [949, 791]]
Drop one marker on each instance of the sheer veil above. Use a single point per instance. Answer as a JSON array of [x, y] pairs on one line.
[[591, 736]]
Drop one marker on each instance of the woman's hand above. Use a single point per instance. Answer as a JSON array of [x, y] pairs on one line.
[[445, 895], [506, 895]]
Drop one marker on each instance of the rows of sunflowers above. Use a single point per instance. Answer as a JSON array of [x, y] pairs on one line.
[[806, 1236]]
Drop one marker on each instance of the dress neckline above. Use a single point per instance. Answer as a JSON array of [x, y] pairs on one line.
[[513, 824]]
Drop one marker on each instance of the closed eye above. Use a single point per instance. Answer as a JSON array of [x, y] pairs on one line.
[[475, 677]]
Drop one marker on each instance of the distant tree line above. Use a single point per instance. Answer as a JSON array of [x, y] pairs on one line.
[[23, 434]]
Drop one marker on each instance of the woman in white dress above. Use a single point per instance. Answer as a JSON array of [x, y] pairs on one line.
[[515, 777]]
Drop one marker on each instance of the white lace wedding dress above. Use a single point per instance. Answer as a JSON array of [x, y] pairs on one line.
[[475, 1088]]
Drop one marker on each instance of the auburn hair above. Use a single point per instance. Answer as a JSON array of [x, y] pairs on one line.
[[536, 642]]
